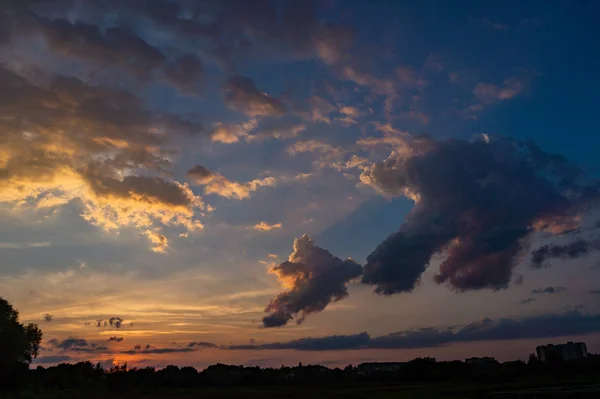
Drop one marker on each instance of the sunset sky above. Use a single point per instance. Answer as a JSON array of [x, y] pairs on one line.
[[264, 182]]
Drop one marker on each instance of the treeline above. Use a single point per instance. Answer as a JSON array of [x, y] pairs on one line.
[[85, 375]]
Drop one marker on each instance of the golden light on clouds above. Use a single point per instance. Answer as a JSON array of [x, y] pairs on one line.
[[263, 226], [70, 141]]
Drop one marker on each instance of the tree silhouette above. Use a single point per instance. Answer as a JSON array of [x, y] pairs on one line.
[[19, 344]]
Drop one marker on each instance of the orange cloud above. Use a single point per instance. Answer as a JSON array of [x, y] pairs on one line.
[[215, 183], [159, 241], [69, 140], [263, 226]]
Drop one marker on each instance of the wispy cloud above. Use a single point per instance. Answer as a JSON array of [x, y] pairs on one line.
[[526, 301], [549, 290], [24, 245], [491, 25], [215, 183], [263, 226]]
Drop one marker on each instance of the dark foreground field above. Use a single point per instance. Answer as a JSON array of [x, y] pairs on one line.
[[588, 389]]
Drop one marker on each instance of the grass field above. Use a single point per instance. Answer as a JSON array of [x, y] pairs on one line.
[[590, 389]]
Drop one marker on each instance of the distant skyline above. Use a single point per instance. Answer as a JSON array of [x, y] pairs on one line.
[[267, 182]]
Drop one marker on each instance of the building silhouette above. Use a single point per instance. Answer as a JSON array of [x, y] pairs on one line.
[[568, 351]]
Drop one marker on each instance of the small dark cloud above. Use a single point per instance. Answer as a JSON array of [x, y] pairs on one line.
[[526, 301], [313, 278], [115, 339], [549, 290], [75, 345], [276, 319], [149, 349], [478, 203], [572, 250], [48, 317], [201, 345], [115, 322], [68, 343], [595, 292]]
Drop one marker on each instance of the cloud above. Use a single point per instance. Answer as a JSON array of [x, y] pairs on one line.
[[391, 137], [184, 72], [48, 317], [354, 161], [489, 93], [283, 131], [115, 322], [75, 345], [160, 243], [251, 132], [68, 343], [242, 95], [542, 326], [572, 250], [328, 155], [415, 115], [313, 146], [313, 278], [115, 339], [117, 46], [214, 183], [346, 121], [231, 133], [202, 345], [46, 162], [495, 26], [380, 87], [152, 350], [570, 323], [549, 290], [230, 33], [518, 279], [262, 226], [334, 342], [526, 301], [25, 245], [50, 359], [595, 292], [409, 78], [320, 109], [350, 111], [473, 205]]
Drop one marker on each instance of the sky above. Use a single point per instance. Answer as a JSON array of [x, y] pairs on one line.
[[267, 182]]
